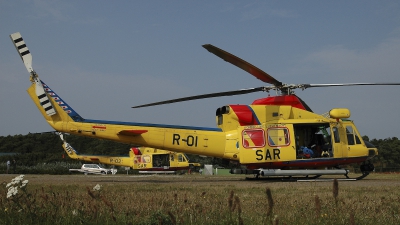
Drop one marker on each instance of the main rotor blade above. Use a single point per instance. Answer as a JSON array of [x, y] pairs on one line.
[[253, 70], [212, 95], [305, 86]]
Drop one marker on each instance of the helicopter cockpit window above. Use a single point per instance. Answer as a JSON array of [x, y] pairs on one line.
[[181, 158], [253, 138], [278, 136], [352, 137], [357, 139]]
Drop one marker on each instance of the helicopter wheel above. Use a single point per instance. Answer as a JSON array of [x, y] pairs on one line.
[[366, 168]]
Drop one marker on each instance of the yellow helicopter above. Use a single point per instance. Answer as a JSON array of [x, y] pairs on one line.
[[273, 136], [144, 159]]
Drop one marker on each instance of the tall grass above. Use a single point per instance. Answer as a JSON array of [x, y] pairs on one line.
[[195, 200]]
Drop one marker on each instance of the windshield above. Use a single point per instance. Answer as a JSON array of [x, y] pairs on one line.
[[369, 145]]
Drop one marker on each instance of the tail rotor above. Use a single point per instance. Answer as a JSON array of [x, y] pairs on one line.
[[26, 57]]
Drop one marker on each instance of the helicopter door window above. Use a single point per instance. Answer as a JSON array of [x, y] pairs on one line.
[[278, 136], [336, 135], [253, 138]]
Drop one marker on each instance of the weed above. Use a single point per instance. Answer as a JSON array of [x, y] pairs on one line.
[[156, 200]]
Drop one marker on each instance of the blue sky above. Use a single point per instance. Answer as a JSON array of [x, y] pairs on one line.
[[103, 57]]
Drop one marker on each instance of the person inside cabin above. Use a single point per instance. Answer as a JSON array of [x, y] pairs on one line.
[[307, 152], [317, 144]]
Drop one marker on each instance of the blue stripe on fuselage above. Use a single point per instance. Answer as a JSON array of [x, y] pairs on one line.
[[254, 115], [151, 125]]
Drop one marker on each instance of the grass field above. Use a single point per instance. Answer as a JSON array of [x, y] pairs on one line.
[[196, 199]]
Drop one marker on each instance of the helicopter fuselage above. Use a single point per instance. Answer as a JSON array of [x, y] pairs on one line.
[[268, 135], [278, 132]]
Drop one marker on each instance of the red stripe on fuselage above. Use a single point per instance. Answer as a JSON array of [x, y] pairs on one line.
[[245, 115], [291, 100], [99, 127], [136, 151]]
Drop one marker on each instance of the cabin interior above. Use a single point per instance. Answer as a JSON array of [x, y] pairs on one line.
[[313, 140], [161, 160]]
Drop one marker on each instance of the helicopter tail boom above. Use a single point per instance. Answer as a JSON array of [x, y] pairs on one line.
[[186, 139], [63, 118]]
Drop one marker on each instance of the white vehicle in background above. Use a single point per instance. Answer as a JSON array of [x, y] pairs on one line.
[[93, 169]]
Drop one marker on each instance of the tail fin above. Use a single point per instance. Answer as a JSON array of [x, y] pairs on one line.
[[71, 112]]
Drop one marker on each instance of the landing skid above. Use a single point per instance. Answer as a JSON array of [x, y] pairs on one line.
[[286, 179], [309, 175], [298, 179], [362, 176]]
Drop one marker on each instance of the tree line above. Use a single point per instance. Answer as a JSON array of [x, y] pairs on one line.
[[46, 148], [388, 158]]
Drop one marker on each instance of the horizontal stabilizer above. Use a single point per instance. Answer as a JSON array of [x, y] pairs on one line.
[[23, 50], [132, 132]]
